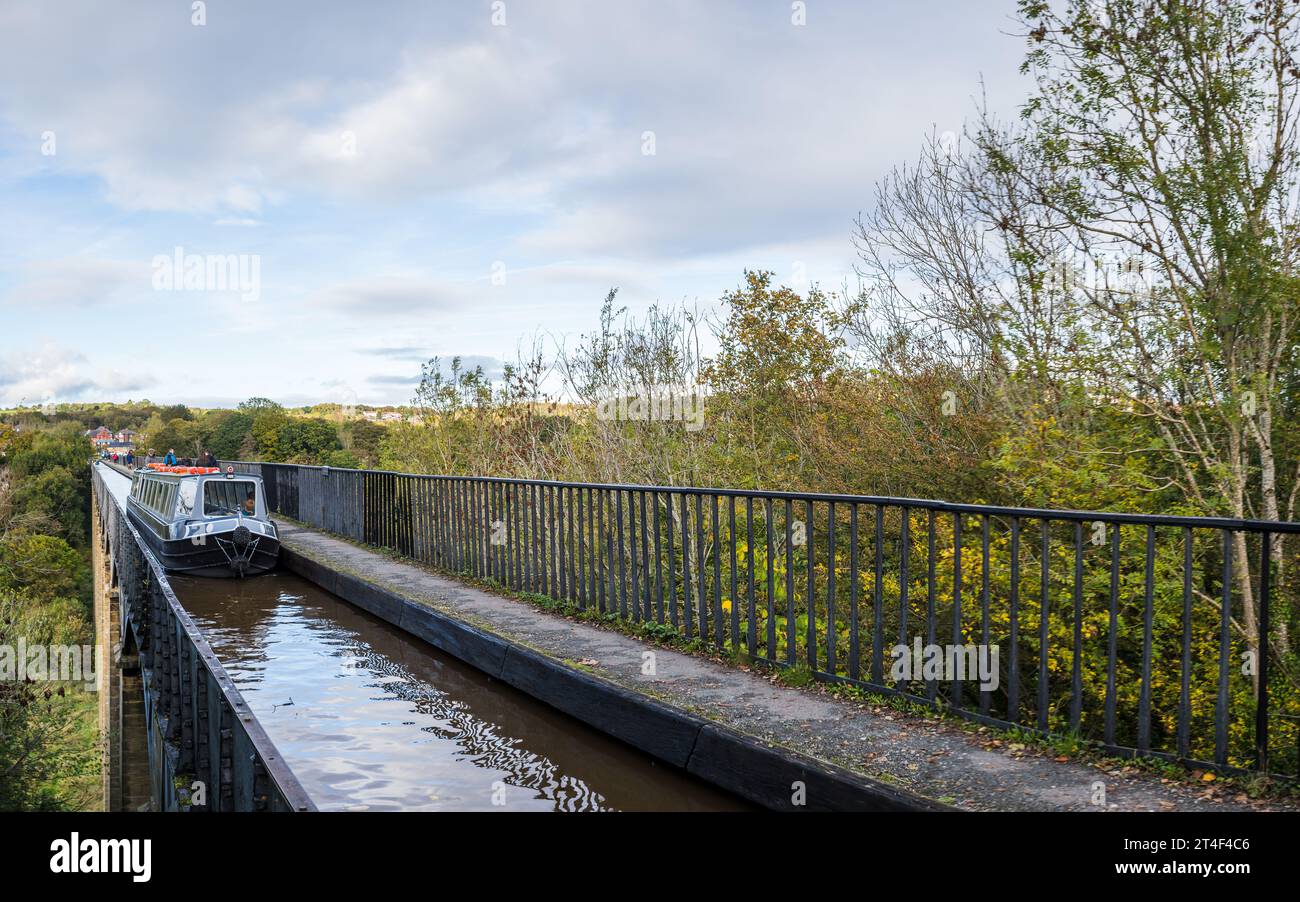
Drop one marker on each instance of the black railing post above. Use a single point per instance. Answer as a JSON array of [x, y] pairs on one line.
[[1148, 613], [809, 545], [1185, 670], [831, 629], [878, 601], [751, 625], [1225, 651], [701, 569], [718, 622], [771, 580], [1076, 658], [984, 605], [1112, 636], [854, 650], [735, 599], [955, 685], [1261, 703], [931, 685], [1044, 613], [1013, 613]]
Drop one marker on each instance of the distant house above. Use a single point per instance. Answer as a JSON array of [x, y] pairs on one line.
[[99, 437], [103, 437]]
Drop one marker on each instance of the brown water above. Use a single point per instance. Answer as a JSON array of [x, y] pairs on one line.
[[370, 718]]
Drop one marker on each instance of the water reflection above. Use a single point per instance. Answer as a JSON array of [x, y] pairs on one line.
[[370, 718]]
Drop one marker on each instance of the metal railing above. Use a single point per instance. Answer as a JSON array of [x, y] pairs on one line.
[[1126, 630], [190, 701]]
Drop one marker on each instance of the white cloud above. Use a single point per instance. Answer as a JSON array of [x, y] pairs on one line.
[[391, 296], [77, 281], [54, 373]]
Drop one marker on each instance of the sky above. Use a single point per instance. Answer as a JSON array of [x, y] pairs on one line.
[[402, 180]]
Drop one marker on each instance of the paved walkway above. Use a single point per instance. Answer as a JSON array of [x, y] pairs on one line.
[[935, 759]]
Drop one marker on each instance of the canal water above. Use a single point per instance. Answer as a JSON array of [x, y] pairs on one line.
[[370, 718]]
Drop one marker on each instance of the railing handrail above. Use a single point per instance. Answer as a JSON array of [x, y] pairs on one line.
[[1232, 524]]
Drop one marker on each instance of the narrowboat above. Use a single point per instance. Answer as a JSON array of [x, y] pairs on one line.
[[200, 521]]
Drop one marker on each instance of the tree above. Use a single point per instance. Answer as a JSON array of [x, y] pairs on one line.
[[343, 460], [1129, 245], [1164, 134], [43, 569], [779, 355], [364, 439], [55, 502], [186, 436], [652, 361], [253, 405], [455, 413], [48, 753], [175, 412], [228, 434], [304, 440], [9, 439], [265, 430]]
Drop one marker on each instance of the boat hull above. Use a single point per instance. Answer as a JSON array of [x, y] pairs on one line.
[[216, 556]]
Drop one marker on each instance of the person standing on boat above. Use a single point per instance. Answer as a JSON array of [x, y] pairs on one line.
[[170, 459], [130, 458], [206, 459]]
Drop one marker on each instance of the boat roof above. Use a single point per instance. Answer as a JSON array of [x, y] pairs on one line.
[[181, 472], [173, 470]]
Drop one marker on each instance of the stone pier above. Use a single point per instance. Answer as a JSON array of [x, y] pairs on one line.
[[122, 730]]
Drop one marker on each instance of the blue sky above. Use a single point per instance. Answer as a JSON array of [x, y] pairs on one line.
[[384, 161]]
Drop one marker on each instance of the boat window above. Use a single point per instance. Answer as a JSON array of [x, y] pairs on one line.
[[189, 489], [228, 496]]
